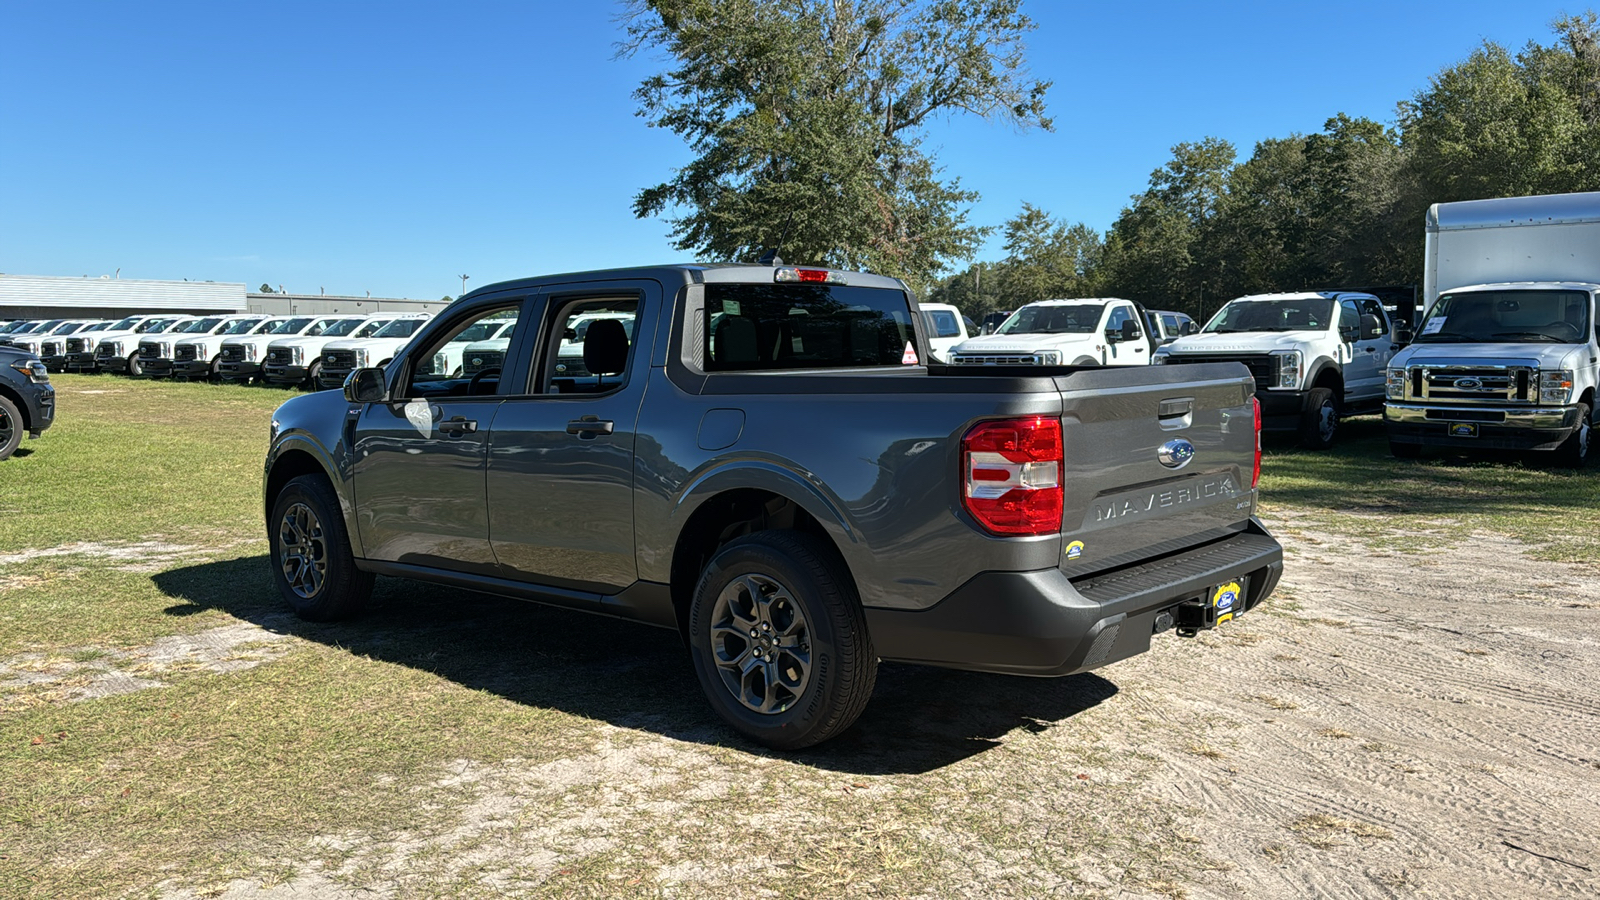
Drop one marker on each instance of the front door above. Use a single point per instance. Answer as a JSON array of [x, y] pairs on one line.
[[420, 458], [561, 455]]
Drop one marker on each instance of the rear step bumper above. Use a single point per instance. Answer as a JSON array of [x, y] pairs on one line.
[[1040, 623]]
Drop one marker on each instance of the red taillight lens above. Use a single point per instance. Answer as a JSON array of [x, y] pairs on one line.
[[817, 275], [1011, 473], [1255, 477]]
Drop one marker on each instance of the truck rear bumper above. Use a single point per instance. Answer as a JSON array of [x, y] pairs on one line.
[[1492, 428], [1041, 623]]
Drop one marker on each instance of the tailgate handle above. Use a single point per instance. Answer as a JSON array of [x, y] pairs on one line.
[[1176, 413]]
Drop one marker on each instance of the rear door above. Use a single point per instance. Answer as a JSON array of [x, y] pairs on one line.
[[560, 463]]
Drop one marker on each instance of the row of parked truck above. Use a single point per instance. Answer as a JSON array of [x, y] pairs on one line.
[[311, 350]]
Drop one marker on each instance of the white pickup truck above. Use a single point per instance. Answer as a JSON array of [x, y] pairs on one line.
[[1091, 332], [340, 358], [200, 355], [243, 356], [298, 360], [1317, 356], [1507, 356]]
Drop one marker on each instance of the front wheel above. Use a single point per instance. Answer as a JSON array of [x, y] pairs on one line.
[[779, 641], [10, 428], [314, 376], [1319, 420], [311, 559], [1574, 451], [135, 368]]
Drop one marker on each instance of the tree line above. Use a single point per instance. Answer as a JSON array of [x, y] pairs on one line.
[[807, 120]]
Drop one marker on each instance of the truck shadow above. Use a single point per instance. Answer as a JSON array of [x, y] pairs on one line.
[[634, 676]]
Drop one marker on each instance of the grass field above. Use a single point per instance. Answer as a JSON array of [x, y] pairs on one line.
[[165, 725]]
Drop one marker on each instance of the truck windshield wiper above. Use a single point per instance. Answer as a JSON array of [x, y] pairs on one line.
[[1424, 338], [1530, 334]]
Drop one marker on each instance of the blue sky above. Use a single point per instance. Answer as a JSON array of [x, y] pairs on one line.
[[392, 147]]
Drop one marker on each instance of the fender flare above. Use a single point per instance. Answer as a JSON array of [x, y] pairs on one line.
[[301, 442], [774, 478]]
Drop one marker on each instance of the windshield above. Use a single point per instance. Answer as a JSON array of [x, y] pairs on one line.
[[1529, 316], [372, 328], [124, 325], [1301, 314], [1078, 318], [400, 328], [480, 331], [153, 326], [343, 327], [199, 326], [290, 326], [241, 326], [68, 328]]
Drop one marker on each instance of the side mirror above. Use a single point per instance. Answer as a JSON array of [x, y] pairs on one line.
[[1402, 335], [1130, 330], [364, 386], [1191, 328], [1348, 334], [1371, 327]]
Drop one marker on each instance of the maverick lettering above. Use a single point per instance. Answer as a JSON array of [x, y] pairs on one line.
[[1189, 493]]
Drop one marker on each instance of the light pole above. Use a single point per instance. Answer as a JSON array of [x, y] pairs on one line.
[[464, 284]]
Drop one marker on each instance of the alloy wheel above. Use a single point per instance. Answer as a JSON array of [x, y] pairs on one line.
[[302, 550], [761, 643]]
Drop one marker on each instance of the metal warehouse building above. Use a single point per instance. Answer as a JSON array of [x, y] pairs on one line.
[[55, 297]]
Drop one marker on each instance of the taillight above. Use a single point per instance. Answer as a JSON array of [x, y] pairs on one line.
[[1011, 472], [1255, 477]]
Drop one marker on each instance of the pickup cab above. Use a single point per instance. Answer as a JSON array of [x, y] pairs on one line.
[[1093, 332], [946, 327], [1317, 356], [760, 469]]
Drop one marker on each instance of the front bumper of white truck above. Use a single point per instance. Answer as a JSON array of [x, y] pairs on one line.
[[1487, 427]]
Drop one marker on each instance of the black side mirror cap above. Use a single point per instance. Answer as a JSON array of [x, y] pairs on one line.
[[364, 386]]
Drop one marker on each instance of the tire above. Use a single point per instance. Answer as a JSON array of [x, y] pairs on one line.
[[1319, 422], [311, 559], [10, 428], [216, 369], [816, 665], [135, 368], [1574, 451], [1086, 361], [1405, 451], [314, 375]]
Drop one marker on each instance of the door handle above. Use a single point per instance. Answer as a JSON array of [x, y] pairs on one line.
[[1372, 349], [590, 427], [459, 425]]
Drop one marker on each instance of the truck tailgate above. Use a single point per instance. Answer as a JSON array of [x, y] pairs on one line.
[[1125, 499]]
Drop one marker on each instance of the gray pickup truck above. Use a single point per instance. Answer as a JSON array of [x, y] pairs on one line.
[[761, 463]]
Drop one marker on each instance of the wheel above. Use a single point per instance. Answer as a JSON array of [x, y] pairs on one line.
[[314, 376], [1086, 361], [135, 368], [1405, 451], [10, 428], [1320, 419], [1574, 451], [216, 368], [779, 640], [311, 559]]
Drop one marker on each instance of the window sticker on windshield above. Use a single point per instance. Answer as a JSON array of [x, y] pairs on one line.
[[1434, 326]]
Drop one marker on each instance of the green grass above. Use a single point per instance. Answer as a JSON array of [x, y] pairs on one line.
[[1357, 489]]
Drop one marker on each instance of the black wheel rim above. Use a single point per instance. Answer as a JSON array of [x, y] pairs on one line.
[[302, 551], [1327, 421], [8, 428], [761, 644]]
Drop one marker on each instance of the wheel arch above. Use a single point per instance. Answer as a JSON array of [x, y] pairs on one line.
[[11, 394], [293, 458]]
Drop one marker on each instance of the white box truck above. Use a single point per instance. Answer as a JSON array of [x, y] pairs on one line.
[[1505, 358]]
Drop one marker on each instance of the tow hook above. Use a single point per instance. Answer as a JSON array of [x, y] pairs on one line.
[[1192, 617]]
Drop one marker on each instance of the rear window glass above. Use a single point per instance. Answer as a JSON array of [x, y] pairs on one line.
[[755, 327], [942, 324]]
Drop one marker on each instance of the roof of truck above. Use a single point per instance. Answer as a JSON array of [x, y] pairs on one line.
[[1305, 295], [692, 273], [1525, 285], [1551, 209]]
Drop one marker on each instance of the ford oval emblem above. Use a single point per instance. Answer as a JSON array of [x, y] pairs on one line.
[[1468, 384], [1175, 454]]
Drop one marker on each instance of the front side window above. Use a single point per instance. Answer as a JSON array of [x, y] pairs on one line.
[[457, 361], [1515, 316], [343, 328], [1119, 314], [1075, 318], [1349, 318], [756, 327]]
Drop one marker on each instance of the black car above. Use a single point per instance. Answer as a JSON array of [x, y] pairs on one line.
[[27, 400]]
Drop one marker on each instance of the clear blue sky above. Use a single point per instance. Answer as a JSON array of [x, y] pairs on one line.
[[393, 146]]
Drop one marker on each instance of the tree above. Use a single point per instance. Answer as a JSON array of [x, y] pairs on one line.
[[1046, 259], [806, 119], [266, 289]]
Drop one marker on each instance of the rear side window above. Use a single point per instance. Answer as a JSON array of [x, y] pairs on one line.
[[755, 327], [942, 324]]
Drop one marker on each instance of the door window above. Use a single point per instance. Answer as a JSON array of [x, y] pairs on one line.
[[465, 359], [589, 346], [1349, 317], [942, 324], [1119, 314]]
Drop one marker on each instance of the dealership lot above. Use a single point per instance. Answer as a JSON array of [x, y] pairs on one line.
[[1415, 712]]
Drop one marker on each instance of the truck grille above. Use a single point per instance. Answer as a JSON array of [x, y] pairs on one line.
[[339, 359], [234, 353], [993, 359], [149, 351], [102, 352], [1263, 368], [1472, 384], [278, 356], [74, 345], [185, 353], [50, 348], [474, 363]]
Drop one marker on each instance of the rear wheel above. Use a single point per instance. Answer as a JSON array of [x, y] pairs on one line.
[[311, 559], [1574, 451], [10, 428], [779, 640], [1319, 419]]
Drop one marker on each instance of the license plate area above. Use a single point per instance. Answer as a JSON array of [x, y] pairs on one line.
[[1462, 429], [1218, 605]]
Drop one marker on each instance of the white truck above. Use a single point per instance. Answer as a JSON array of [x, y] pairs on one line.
[[1317, 356], [946, 328], [1506, 357], [242, 357], [120, 352], [298, 360], [340, 358], [158, 354], [81, 346], [468, 347], [196, 355], [1103, 331]]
